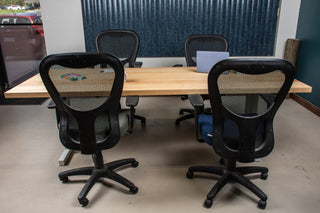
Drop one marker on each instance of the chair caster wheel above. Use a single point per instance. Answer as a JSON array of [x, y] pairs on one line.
[[189, 174], [135, 164], [208, 203], [83, 202], [221, 161], [180, 112], [177, 123], [264, 176], [262, 204], [64, 179], [134, 190]]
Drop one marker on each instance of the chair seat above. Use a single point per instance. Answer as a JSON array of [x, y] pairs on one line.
[[102, 125]]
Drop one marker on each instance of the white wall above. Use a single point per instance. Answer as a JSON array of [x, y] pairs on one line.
[[63, 25], [63, 29], [287, 24]]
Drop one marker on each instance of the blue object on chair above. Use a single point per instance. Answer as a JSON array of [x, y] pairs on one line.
[[230, 131]]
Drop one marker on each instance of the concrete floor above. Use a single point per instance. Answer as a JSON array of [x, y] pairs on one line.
[[30, 148]]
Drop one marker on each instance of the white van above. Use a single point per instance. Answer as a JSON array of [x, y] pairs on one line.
[[14, 7]]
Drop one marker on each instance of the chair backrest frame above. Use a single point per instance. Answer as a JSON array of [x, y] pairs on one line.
[[85, 118], [219, 43], [248, 125], [116, 34]]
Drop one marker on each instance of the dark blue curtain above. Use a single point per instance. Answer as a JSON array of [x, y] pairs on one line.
[[163, 25]]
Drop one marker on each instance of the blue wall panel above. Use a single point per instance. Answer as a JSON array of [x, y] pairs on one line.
[[308, 60], [163, 25]]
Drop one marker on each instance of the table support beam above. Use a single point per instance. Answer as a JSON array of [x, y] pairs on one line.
[[64, 157]]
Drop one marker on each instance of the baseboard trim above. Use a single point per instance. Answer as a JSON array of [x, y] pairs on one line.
[[313, 108]]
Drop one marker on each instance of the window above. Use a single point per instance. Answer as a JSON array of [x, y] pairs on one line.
[[22, 43]]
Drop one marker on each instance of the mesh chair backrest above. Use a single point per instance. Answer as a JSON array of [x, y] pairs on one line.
[[250, 133], [87, 98], [123, 44], [203, 43]]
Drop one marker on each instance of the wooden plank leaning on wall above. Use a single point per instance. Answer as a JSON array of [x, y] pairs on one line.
[[290, 54]]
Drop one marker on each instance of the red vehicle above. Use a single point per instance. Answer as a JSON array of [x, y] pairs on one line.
[[20, 38], [23, 18]]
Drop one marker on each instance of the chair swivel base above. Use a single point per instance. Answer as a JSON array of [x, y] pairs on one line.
[[184, 117], [236, 175], [134, 116], [191, 114], [96, 173], [142, 119]]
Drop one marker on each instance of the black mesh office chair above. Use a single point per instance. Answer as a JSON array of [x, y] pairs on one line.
[[237, 136], [88, 111], [193, 44], [124, 45]]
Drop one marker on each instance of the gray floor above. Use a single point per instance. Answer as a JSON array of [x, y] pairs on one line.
[[30, 148]]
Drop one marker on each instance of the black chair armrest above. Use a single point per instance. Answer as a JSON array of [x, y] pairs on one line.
[[52, 105], [196, 100], [138, 64], [132, 101]]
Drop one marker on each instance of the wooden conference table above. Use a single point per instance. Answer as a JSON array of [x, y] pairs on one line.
[[163, 81]]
